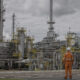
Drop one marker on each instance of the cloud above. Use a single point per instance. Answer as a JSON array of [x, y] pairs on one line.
[[35, 14], [41, 7], [76, 4], [63, 7]]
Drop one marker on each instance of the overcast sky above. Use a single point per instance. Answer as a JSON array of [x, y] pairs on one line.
[[34, 14]]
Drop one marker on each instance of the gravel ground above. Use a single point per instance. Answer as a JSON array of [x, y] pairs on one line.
[[38, 75]]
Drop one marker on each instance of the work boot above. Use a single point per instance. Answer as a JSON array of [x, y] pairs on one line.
[[70, 77], [65, 78]]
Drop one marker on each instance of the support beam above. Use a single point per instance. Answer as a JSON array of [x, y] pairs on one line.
[[1, 20], [13, 25], [51, 22]]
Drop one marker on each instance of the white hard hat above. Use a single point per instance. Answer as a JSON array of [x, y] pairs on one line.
[[68, 48]]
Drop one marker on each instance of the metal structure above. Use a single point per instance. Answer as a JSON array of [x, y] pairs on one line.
[[49, 46], [51, 32], [20, 52], [73, 41], [13, 25], [1, 19], [21, 39]]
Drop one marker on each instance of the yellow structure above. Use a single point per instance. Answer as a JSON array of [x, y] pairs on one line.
[[71, 39]]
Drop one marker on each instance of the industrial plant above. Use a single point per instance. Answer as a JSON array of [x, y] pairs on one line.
[[22, 53]]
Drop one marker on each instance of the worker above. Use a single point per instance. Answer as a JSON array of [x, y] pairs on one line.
[[68, 61]]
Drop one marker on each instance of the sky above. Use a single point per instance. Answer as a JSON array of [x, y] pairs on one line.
[[33, 15]]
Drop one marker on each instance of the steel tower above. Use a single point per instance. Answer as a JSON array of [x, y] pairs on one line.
[[1, 19], [51, 32]]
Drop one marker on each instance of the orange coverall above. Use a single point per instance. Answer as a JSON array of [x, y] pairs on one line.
[[68, 61]]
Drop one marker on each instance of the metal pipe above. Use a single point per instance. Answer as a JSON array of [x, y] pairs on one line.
[[13, 19], [51, 10]]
